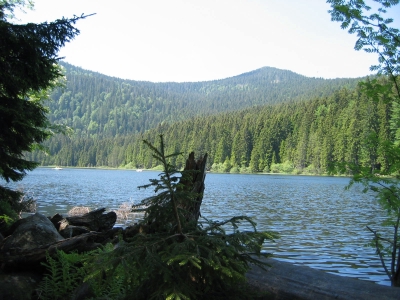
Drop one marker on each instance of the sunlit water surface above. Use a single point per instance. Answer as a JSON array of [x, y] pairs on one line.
[[320, 224]]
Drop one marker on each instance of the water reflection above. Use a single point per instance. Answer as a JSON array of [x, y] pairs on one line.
[[320, 224]]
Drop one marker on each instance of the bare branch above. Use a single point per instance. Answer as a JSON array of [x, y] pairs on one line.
[[378, 251]]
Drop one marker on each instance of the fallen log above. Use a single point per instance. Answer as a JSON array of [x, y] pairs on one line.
[[286, 281], [17, 258], [95, 220]]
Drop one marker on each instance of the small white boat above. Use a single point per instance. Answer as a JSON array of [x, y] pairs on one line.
[[57, 168], [139, 170]]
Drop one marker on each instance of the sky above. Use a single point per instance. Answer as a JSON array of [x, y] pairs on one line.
[[201, 40]]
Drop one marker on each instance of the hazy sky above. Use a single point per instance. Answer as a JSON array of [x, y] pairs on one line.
[[196, 40]]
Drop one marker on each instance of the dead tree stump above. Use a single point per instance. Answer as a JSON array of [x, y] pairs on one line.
[[193, 182]]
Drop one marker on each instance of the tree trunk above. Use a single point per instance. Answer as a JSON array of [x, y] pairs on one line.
[[396, 276], [193, 182], [26, 259]]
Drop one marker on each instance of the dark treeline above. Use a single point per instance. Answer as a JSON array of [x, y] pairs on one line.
[[301, 136]]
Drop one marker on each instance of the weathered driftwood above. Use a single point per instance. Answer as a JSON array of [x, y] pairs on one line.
[[286, 281], [17, 258], [92, 221], [95, 220], [72, 231]]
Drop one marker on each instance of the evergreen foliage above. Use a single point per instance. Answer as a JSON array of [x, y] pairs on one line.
[[306, 135], [181, 260], [380, 176], [105, 112], [13, 202], [28, 68], [100, 106]]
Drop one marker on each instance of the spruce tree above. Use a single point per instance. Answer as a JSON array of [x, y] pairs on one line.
[[172, 253], [28, 68]]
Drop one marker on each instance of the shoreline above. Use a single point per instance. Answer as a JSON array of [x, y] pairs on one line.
[[285, 281], [208, 172]]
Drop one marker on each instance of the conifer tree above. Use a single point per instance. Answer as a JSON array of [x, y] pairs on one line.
[[173, 256], [28, 68]]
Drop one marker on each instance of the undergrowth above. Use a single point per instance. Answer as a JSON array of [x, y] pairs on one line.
[[67, 272], [172, 257]]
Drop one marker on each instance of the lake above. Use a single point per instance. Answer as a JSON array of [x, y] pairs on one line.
[[320, 224]]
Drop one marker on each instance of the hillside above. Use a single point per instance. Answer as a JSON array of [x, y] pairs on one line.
[[299, 137], [250, 122], [101, 106]]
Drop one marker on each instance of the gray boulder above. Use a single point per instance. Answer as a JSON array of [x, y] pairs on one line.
[[30, 233]]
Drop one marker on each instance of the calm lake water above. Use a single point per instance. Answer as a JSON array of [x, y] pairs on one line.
[[320, 224]]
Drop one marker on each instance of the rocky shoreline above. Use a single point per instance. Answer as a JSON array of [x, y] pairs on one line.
[[28, 241]]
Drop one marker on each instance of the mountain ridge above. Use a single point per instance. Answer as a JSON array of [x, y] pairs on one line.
[[246, 123], [96, 104], [247, 73]]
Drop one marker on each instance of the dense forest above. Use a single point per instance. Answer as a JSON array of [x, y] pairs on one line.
[[298, 137], [95, 105], [254, 129]]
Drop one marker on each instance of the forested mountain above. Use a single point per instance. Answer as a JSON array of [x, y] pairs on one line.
[[302, 136], [95, 105]]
